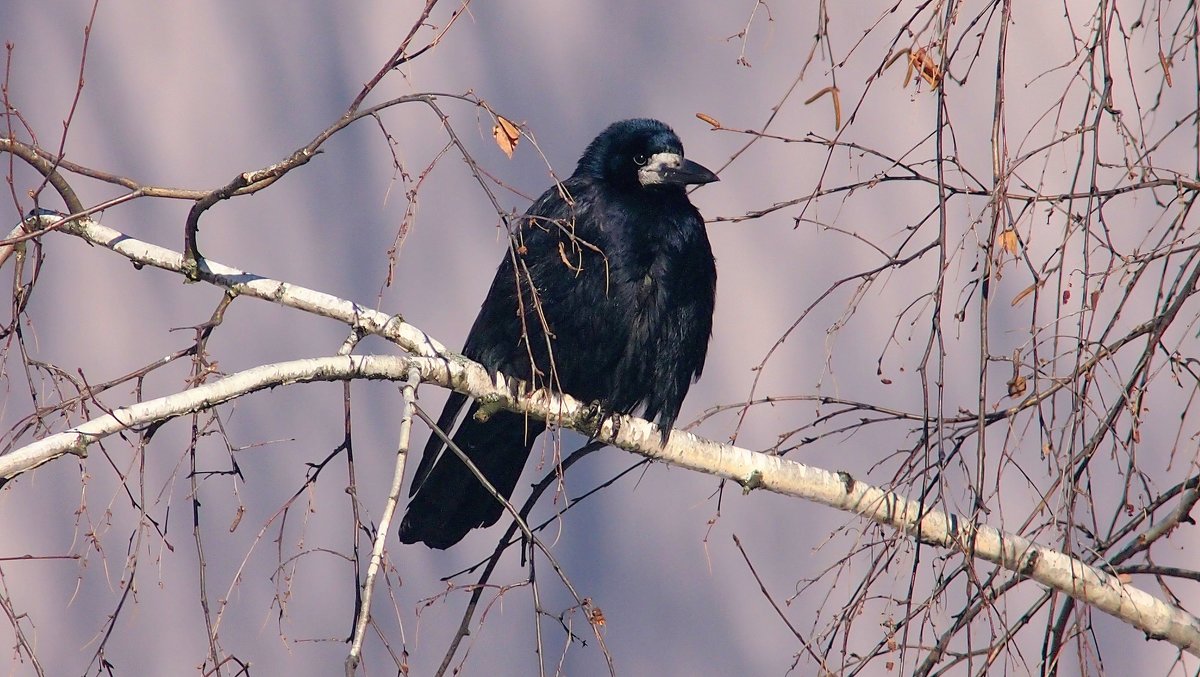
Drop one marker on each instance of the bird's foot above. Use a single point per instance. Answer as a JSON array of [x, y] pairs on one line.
[[487, 407], [592, 417]]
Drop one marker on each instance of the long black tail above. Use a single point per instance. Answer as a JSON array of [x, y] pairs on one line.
[[447, 499]]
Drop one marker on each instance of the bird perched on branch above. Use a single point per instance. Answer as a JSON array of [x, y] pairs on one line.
[[606, 294]]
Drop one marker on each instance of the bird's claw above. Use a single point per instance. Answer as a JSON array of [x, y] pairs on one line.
[[487, 407], [592, 417]]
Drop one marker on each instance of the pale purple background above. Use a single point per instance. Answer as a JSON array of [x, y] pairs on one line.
[[190, 94]]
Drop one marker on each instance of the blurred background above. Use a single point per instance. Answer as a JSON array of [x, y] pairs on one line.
[[189, 95]]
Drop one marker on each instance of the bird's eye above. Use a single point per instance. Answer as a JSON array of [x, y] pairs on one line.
[[639, 160]]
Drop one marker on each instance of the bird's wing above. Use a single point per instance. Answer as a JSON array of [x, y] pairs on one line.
[[554, 283], [509, 313], [509, 336], [504, 320]]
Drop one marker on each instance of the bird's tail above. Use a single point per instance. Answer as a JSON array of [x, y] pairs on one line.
[[448, 500]]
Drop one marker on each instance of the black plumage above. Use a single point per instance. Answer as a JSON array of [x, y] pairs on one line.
[[606, 294]]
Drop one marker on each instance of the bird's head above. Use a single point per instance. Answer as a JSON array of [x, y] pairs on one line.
[[641, 153]]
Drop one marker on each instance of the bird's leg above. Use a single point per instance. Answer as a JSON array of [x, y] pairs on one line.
[[591, 420], [488, 405], [616, 422]]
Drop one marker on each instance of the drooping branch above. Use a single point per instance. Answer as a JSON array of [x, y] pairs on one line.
[[360, 318]]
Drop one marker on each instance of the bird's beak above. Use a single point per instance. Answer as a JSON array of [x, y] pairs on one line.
[[674, 169]]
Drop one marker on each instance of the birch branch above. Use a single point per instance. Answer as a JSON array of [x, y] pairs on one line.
[[753, 470]]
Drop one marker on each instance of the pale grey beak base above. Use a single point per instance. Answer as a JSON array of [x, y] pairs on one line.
[[673, 169]]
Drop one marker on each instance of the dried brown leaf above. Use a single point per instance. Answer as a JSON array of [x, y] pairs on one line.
[[926, 67], [1017, 386], [1009, 242], [1166, 66], [837, 103], [1025, 292], [506, 135]]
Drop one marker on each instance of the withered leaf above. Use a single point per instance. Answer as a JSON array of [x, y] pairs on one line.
[[1009, 241], [1025, 292], [1017, 386], [837, 103], [925, 66], [506, 135]]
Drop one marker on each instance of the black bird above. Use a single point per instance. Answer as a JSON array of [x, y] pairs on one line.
[[606, 294]]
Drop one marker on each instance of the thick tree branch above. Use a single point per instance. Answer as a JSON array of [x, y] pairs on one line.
[[753, 470], [750, 469]]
